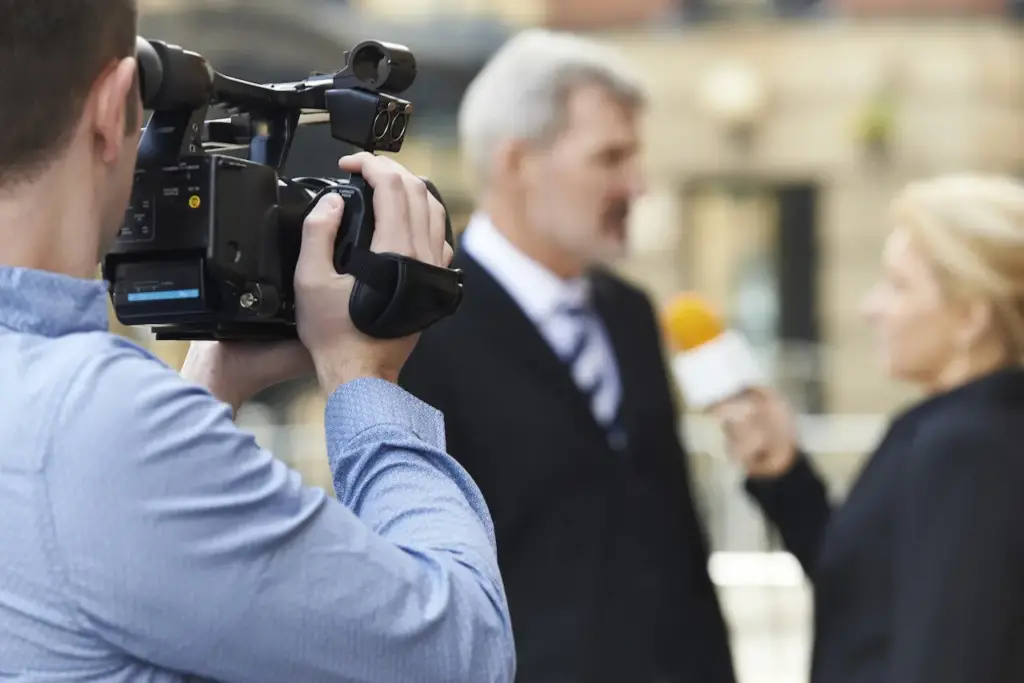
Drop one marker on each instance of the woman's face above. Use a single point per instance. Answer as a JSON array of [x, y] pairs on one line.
[[916, 328]]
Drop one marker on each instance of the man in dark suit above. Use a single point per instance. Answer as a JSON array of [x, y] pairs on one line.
[[553, 386]]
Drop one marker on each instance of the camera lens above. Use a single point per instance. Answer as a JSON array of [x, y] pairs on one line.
[[380, 125], [398, 125]]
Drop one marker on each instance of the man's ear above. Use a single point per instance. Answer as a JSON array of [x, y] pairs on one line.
[[515, 161], [113, 107]]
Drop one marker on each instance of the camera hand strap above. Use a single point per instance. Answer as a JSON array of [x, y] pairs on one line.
[[396, 296]]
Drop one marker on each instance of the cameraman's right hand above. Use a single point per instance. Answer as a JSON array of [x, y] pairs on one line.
[[409, 222]]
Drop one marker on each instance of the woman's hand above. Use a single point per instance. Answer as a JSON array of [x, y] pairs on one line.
[[760, 432]]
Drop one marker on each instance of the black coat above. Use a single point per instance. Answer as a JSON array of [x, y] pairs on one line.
[[919, 576], [601, 552]]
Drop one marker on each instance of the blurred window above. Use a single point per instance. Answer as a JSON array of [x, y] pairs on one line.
[[753, 251]]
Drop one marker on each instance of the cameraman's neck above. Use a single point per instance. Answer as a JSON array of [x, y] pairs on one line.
[[51, 222]]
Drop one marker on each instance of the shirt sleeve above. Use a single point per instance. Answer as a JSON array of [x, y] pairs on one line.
[[958, 590], [797, 504], [184, 544]]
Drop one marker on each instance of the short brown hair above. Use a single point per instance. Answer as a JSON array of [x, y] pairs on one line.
[[52, 51]]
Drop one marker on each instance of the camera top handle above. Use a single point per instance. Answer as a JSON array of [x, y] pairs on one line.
[[359, 101]]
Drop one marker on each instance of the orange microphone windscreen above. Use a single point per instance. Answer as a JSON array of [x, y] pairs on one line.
[[690, 321]]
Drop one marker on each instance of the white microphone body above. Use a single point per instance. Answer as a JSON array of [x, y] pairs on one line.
[[716, 370]]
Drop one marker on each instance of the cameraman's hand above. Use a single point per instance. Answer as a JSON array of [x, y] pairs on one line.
[[234, 372], [409, 222]]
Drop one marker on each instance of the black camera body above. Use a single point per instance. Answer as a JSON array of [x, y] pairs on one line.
[[211, 239]]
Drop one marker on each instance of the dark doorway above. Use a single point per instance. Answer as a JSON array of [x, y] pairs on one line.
[[753, 251]]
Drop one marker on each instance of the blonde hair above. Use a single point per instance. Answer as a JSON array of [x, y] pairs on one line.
[[520, 93], [971, 229]]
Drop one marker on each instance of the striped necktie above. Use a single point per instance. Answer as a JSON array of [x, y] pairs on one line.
[[593, 370]]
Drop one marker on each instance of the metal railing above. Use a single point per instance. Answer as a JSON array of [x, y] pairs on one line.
[[747, 553]]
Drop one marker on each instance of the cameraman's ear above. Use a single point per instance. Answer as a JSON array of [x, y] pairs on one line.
[[114, 108]]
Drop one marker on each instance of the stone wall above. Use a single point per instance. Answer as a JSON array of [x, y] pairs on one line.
[[952, 96], [955, 95], [957, 103]]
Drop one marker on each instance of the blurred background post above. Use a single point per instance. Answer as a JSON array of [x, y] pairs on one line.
[[777, 132]]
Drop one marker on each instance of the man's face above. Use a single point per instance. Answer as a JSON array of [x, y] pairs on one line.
[[578, 190]]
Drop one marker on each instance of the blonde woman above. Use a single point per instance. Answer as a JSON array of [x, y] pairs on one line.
[[919, 576]]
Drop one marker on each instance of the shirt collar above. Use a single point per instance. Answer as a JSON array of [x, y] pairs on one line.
[[50, 304], [538, 291]]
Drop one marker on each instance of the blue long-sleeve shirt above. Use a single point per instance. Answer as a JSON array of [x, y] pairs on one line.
[[143, 537]]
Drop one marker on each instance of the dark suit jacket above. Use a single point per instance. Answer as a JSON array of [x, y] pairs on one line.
[[603, 559], [919, 576]]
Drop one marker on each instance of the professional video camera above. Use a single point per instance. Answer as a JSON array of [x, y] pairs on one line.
[[210, 242]]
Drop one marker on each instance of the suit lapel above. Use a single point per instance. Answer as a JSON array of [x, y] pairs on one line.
[[623, 341], [509, 329]]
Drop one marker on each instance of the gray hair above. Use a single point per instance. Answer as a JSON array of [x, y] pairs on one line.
[[520, 94]]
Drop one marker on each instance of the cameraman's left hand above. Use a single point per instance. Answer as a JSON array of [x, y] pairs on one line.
[[234, 372]]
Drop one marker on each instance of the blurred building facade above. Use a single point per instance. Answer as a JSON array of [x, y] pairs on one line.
[[777, 134], [778, 131]]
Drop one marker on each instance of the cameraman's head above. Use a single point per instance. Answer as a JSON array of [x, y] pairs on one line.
[[69, 129], [550, 128]]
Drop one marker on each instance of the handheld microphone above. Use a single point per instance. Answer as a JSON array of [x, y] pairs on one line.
[[711, 364]]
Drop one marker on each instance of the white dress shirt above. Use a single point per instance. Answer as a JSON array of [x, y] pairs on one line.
[[543, 297]]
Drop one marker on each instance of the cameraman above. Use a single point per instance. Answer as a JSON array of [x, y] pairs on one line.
[[143, 536]]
